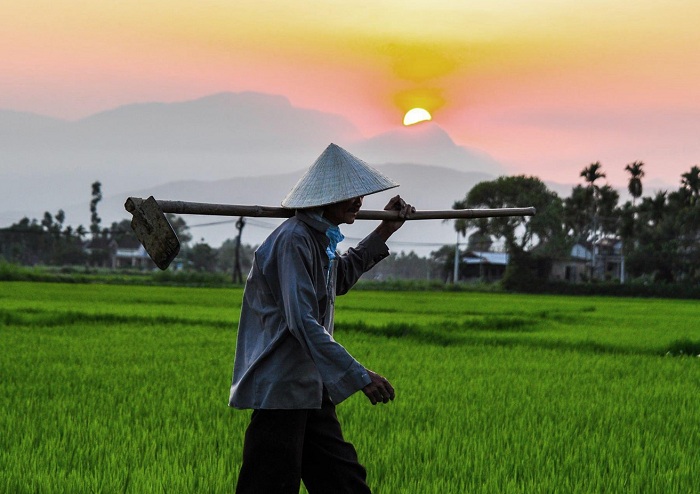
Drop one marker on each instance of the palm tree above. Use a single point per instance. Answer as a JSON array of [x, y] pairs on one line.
[[690, 181], [654, 208], [592, 173], [635, 184], [577, 212]]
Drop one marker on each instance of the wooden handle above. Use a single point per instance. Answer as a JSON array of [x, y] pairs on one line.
[[182, 207]]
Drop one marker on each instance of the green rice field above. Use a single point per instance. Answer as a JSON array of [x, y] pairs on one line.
[[113, 389]]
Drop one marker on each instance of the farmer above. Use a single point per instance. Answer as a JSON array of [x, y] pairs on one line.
[[288, 368]]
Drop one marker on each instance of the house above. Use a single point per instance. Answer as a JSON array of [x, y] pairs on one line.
[[126, 252], [608, 262], [483, 266], [600, 260], [129, 253], [575, 268]]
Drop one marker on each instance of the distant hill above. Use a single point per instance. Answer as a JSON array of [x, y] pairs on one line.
[[16, 125], [426, 187]]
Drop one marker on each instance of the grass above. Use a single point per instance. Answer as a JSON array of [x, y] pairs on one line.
[[124, 389]]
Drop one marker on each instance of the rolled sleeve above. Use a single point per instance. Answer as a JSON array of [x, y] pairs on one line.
[[353, 380]]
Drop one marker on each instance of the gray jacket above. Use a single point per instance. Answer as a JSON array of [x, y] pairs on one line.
[[285, 351]]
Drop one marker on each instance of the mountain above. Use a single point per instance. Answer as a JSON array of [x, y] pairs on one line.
[[428, 144], [219, 136], [47, 164]]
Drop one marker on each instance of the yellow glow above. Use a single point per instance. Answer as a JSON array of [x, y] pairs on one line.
[[416, 115]]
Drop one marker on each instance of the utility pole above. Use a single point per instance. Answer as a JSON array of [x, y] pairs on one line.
[[622, 262], [455, 274], [237, 274]]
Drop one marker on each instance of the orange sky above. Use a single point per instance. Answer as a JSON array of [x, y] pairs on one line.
[[545, 86]]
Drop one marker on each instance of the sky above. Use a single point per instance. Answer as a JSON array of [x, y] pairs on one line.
[[544, 86]]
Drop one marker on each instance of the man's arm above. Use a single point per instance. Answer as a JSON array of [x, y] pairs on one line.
[[371, 250], [341, 373]]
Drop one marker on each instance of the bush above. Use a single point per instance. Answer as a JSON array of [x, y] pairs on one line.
[[616, 289]]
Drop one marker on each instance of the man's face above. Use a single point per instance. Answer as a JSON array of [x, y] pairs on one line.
[[343, 212]]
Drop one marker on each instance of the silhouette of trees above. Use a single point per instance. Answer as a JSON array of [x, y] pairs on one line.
[[634, 186], [32, 242], [95, 219], [690, 183], [659, 234]]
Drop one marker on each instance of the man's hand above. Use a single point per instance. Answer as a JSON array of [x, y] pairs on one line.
[[379, 390], [387, 228]]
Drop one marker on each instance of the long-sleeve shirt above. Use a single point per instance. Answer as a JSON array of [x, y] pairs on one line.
[[285, 351]]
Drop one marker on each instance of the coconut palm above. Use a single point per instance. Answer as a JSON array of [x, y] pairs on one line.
[[690, 181], [654, 208], [592, 173], [635, 184]]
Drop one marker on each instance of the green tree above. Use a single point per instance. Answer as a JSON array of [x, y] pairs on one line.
[[202, 257], [579, 208], [443, 260], [654, 252], [480, 240], [32, 242], [121, 230], [542, 234], [609, 215], [690, 183], [518, 232], [226, 257], [180, 227]]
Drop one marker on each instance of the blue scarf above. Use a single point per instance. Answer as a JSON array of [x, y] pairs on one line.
[[332, 232]]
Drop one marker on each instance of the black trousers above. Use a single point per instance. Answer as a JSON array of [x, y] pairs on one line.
[[283, 447]]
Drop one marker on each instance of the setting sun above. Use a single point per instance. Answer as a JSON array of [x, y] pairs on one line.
[[416, 115]]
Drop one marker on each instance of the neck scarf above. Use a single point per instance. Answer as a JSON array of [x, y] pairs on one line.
[[332, 232], [334, 235]]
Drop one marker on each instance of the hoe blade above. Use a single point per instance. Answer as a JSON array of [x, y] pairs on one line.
[[153, 231]]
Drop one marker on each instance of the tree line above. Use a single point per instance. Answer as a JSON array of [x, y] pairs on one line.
[[657, 236]]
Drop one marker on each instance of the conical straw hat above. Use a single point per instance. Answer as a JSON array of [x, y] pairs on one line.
[[336, 176]]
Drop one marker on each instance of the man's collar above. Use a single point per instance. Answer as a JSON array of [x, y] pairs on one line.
[[313, 218]]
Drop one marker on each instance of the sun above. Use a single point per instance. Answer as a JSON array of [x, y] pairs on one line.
[[416, 115]]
